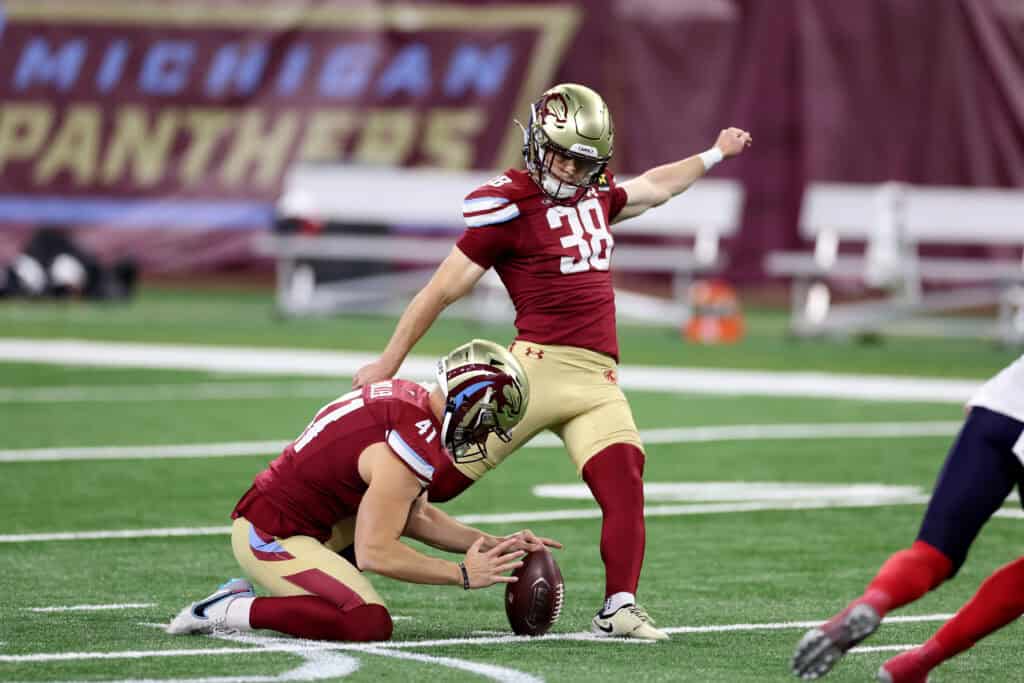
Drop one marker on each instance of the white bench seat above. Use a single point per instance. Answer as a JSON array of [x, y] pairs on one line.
[[894, 225]]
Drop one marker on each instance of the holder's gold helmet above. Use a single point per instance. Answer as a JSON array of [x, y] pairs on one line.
[[485, 390], [571, 120]]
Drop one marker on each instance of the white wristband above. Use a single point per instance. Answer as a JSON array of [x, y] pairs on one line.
[[711, 157]]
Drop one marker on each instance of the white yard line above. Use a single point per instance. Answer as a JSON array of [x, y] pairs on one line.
[[91, 608], [276, 644], [507, 518], [783, 625], [748, 432], [132, 654], [344, 364], [193, 450], [880, 648], [523, 517], [186, 391], [115, 533], [493, 672]]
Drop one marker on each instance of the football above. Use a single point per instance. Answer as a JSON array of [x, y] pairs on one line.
[[534, 602]]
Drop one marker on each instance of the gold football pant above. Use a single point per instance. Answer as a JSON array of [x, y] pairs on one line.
[[575, 394], [301, 565]]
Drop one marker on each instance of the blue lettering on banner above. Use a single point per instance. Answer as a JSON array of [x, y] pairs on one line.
[[293, 68], [408, 72], [231, 68], [165, 68], [39, 65], [347, 70], [112, 67], [472, 67]]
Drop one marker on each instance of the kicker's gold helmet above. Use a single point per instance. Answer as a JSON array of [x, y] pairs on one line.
[[573, 121], [485, 390]]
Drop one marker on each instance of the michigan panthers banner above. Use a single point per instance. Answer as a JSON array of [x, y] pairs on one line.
[[186, 113], [189, 112]]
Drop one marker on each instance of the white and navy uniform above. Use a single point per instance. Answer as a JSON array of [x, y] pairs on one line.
[[982, 468]]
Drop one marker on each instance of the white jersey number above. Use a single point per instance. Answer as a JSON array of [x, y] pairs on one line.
[[589, 236]]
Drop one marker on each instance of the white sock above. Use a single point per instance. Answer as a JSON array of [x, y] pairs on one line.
[[237, 615], [618, 600]]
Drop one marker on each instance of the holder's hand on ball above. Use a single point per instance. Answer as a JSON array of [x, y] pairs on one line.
[[486, 568], [528, 541]]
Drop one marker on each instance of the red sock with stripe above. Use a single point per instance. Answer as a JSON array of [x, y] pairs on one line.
[[615, 477], [309, 616]]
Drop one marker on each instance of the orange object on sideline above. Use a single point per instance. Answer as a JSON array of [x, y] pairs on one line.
[[716, 316]]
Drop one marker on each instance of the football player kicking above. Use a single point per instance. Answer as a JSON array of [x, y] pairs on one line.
[[366, 459], [547, 233], [983, 466]]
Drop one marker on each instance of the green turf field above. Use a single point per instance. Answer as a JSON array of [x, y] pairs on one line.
[[755, 571]]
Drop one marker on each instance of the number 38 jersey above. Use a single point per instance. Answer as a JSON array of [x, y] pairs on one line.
[[554, 260], [315, 482]]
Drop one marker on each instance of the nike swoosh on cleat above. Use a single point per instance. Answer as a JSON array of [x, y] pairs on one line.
[[606, 629]]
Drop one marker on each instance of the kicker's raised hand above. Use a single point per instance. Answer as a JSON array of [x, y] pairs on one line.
[[732, 141], [373, 372]]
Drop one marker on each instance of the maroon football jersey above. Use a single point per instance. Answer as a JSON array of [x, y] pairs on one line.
[[554, 260], [315, 482]]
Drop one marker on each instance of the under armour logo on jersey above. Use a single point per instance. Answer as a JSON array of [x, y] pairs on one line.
[[610, 376], [534, 353]]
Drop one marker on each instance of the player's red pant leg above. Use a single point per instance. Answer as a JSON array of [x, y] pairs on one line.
[[615, 477], [999, 601], [309, 616]]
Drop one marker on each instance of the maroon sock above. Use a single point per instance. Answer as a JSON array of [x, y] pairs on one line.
[[999, 600], [309, 616], [615, 477], [906, 576]]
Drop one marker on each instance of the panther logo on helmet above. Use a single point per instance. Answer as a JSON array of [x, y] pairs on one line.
[[486, 391], [554, 110]]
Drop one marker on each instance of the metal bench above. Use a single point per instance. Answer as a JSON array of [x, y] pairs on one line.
[[892, 224]]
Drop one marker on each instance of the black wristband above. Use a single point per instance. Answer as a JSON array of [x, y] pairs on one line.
[[465, 575]]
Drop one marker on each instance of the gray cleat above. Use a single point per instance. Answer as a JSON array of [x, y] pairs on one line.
[[820, 648]]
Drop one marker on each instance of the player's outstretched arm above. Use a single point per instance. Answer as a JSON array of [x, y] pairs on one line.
[[383, 514], [438, 529], [659, 184], [452, 280]]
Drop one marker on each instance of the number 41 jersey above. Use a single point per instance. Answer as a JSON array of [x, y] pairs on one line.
[[553, 259]]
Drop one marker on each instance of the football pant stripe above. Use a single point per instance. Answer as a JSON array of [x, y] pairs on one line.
[[266, 547], [324, 585]]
